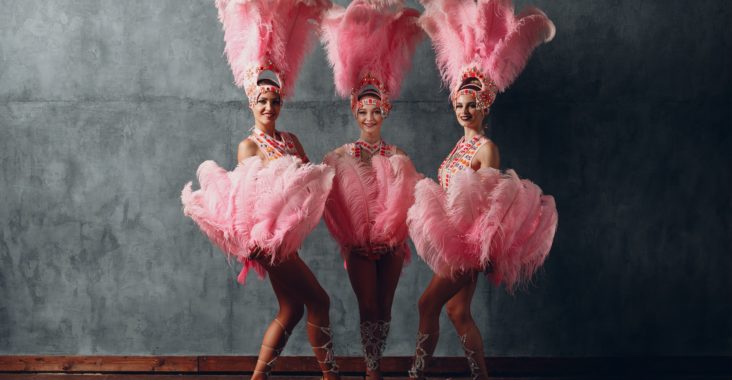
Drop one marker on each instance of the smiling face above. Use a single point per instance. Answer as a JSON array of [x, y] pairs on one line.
[[369, 118], [467, 112], [267, 108]]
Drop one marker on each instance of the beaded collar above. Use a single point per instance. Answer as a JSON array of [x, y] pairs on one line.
[[272, 147], [380, 148]]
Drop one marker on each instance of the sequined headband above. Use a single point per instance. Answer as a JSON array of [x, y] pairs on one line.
[[370, 86], [255, 75], [488, 89]]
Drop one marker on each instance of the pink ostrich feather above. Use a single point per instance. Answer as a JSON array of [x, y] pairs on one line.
[[485, 34], [270, 207], [290, 202], [369, 203], [278, 31], [243, 198], [376, 37], [209, 206], [485, 218], [352, 202], [396, 177], [439, 243]]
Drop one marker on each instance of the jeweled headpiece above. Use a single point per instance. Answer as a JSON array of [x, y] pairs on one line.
[[267, 40], [370, 45], [482, 41]]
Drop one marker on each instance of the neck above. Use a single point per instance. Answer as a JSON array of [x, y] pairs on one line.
[[472, 132], [371, 138], [268, 129]]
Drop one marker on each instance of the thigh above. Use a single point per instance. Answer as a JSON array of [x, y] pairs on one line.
[[389, 269], [363, 277], [462, 299], [441, 289], [295, 279]]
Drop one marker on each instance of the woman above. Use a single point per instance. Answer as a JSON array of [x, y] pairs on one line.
[[478, 219], [370, 48], [260, 212]]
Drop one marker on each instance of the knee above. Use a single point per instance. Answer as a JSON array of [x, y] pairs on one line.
[[427, 305], [291, 314], [459, 314], [319, 303]]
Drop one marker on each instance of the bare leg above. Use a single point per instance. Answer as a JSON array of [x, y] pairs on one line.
[[363, 275], [458, 309], [438, 292], [389, 269], [375, 332], [296, 279], [276, 335]]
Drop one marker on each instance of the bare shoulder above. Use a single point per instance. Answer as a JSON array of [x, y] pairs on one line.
[[400, 152], [341, 150], [247, 148], [489, 147], [488, 155]]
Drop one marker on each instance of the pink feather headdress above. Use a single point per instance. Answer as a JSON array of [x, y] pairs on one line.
[[482, 40], [268, 39], [370, 45]]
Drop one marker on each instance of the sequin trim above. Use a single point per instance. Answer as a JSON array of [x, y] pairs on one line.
[[272, 147], [459, 158]]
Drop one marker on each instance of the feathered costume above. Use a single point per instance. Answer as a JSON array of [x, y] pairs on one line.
[[370, 46], [485, 219], [263, 209]]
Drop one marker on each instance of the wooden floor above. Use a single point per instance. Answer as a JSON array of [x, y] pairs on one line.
[[352, 368], [90, 376]]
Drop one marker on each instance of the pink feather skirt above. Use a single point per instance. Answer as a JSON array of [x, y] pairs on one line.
[[263, 209], [368, 204], [486, 220]]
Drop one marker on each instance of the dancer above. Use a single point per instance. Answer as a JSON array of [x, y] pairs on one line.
[[479, 219], [260, 212], [370, 45]]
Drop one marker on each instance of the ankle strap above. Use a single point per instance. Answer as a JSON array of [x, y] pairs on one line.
[[329, 361]]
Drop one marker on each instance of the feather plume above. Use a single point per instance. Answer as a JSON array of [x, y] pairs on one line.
[[260, 31], [352, 203], [437, 241], [270, 207], [484, 218], [291, 197], [208, 206], [485, 34], [396, 177], [376, 37], [243, 198]]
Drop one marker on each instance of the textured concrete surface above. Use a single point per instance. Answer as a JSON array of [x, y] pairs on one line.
[[108, 107]]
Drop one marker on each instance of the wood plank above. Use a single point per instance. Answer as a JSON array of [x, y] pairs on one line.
[[302, 364], [98, 364], [164, 376], [391, 366], [107, 376]]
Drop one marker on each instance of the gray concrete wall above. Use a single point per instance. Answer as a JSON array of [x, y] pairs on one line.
[[107, 108]]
